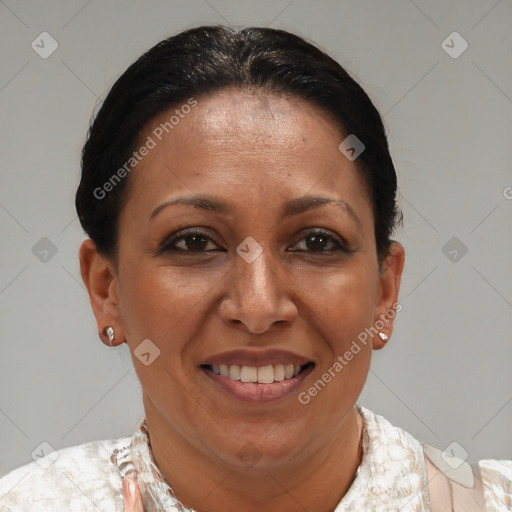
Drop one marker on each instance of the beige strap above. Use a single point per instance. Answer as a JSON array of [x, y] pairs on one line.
[[453, 485]]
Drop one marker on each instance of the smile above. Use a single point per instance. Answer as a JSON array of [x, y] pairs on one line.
[[257, 376], [263, 374]]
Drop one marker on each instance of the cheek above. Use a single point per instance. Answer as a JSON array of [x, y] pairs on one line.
[[346, 302], [153, 301], [346, 305]]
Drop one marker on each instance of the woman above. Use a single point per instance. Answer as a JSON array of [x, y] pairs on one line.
[[239, 197]]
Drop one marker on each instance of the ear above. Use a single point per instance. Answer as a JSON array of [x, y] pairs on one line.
[[100, 279], [387, 305]]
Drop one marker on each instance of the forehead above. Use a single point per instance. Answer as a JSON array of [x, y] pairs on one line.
[[240, 143]]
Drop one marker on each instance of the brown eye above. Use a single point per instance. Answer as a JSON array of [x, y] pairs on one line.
[[321, 241], [197, 242], [192, 241]]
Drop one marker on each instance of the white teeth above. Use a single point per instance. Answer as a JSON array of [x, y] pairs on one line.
[[278, 372], [249, 374], [261, 374], [234, 372], [288, 371], [266, 374]]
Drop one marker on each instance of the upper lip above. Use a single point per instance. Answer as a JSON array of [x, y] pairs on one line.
[[246, 357]]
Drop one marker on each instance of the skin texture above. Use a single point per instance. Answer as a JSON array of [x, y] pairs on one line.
[[254, 151]]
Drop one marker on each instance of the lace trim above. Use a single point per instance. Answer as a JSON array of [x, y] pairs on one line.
[[391, 475], [138, 456]]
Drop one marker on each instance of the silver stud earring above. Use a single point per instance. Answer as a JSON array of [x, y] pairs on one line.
[[110, 333], [383, 336]]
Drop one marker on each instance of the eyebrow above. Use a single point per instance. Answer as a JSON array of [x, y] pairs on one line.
[[290, 208]]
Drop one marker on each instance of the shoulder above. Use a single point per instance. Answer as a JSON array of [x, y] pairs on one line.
[[497, 480], [496, 475], [75, 479]]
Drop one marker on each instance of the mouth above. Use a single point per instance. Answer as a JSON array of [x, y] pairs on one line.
[[256, 377], [267, 374]]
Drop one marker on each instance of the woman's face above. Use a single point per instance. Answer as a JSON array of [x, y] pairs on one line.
[[250, 282]]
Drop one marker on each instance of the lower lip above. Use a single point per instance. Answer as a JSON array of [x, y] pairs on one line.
[[256, 392]]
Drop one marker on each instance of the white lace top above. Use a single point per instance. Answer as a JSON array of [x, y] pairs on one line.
[[391, 477]]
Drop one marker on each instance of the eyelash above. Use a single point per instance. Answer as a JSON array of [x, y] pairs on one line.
[[167, 244]]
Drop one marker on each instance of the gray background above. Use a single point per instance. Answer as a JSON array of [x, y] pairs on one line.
[[444, 376]]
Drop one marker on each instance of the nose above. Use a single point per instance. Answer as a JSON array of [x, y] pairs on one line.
[[258, 296]]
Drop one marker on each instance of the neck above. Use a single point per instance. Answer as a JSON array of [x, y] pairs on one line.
[[207, 484]]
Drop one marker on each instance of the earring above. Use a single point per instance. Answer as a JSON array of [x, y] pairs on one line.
[[383, 336], [109, 331]]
